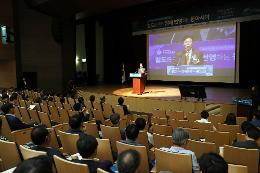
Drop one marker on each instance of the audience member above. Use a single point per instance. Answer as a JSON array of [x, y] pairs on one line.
[[213, 163], [41, 138], [14, 122], [14, 99], [256, 119], [102, 102], [231, 119], [180, 137], [115, 120], [81, 101], [128, 161], [245, 126], [40, 164], [83, 114], [92, 100], [131, 135], [252, 135], [140, 124], [204, 117], [121, 103], [87, 148], [76, 125]]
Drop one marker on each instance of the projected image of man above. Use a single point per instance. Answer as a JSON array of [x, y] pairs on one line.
[[189, 55]]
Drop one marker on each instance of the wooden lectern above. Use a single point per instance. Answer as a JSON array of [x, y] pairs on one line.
[[138, 82]]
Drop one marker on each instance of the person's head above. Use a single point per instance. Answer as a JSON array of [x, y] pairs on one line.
[[40, 135], [102, 99], [213, 163], [77, 107], [131, 132], [253, 133], [115, 119], [75, 121], [246, 125], [180, 136], [187, 43], [13, 97], [204, 114], [87, 146], [120, 100], [81, 100], [231, 119], [256, 114], [39, 164], [8, 108], [62, 99], [128, 161], [37, 100], [140, 123], [92, 98]]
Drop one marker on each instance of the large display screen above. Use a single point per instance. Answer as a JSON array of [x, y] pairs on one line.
[[201, 54]]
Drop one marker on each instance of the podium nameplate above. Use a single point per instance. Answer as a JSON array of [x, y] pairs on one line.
[[135, 75]]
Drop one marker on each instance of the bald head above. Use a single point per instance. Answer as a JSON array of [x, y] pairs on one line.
[[128, 161]]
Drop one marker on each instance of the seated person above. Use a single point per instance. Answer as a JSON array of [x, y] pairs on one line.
[[213, 163], [252, 135], [140, 124], [14, 122], [102, 102], [115, 120], [231, 119], [3, 138], [81, 102], [180, 137], [121, 103], [41, 138], [83, 114], [39, 164], [92, 100], [76, 125], [131, 135], [245, 126], [256, 120], [87, 148], [204, 117], [128, 161]]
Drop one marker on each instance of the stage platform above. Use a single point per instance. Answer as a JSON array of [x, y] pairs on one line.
[[216, 95]]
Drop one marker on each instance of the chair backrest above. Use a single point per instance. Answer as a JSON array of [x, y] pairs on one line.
[[54, 114], [232, 129], [193, 116], [17, 112], [101, 171], [144, 165], [180, 123], [159, 113], [65, 166], [71, 113], [58, 104], [241, 137], [182, 162], [177, 115], [162, 141], [34, 116], [62, 127], [195, 134], [6, 130], [9, 154], [143, 138], [242, 156], [67, 106], [104, 151], [91, 129], [64, 115], [44, 108], [240, 120], [22, 136], [162, 130], [112, 133], [68, 142], [98, 114], [160, 121], [237, 168], [28, 153], [222, 138], [202, 126], [25, 115], [54, 140], [108, 110], [215, 119], [119, 109], [45, 119], [200, 148], [71, 101], [97, 106]]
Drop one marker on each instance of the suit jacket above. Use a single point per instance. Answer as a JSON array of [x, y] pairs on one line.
[[50, 151], [196, 58], [93, 165], [246, 144], [15, 123]]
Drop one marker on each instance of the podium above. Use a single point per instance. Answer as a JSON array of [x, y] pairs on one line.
[[138, 82]]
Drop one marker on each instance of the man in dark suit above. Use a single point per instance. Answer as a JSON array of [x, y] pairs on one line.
[[76, 125], [188, 56], [252, 135], [41, 138], [87, 148], [121, 103], [132, 133], [14, 122]]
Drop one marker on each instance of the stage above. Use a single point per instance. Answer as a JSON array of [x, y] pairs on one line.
[[168, 92]]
